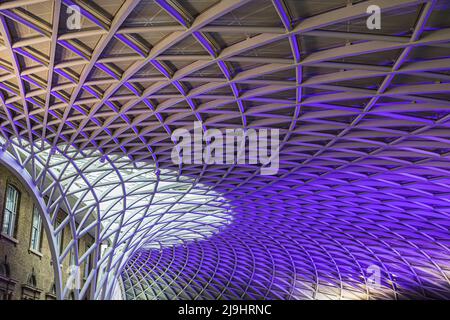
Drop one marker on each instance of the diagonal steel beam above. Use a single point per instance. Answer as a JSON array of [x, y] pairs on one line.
[[120, 17]]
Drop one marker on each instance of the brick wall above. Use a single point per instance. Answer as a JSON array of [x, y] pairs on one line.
[[20, 258]]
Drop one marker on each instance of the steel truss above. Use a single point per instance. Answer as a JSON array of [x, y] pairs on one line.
[[364, 158]]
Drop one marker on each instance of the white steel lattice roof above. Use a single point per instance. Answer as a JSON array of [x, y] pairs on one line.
[[364, 127]]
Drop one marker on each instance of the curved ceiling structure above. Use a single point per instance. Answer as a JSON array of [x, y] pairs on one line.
[[360, 205], [125, 207]]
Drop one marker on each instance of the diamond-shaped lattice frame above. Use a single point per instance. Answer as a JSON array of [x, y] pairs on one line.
[[363, 116]]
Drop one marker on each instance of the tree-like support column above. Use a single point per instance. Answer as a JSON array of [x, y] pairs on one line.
[[120, 205]]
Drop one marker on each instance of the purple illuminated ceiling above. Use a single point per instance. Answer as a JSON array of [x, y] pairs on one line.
[[360, 207]]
